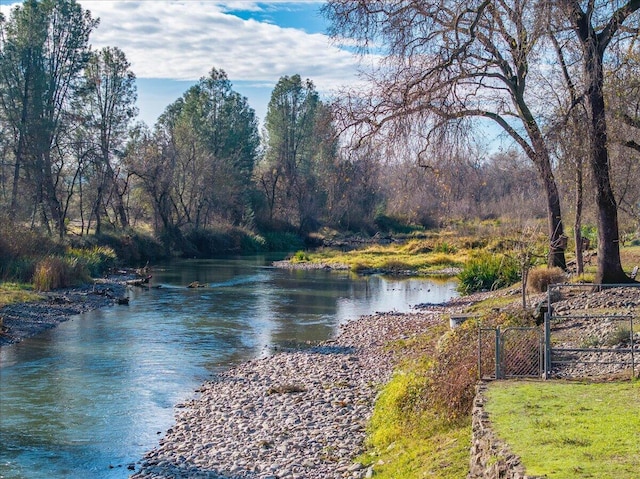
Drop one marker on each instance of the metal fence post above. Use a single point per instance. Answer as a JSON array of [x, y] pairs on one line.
[[547, 345], [498, 354], [633, 359]]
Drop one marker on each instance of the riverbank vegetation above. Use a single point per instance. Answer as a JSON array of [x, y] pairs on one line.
[[414, 430], [421, 425], [205, 180]]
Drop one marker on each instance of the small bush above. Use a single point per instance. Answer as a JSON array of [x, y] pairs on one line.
[[300, 257], [620, 335], [18, 242], [130, 248], [54, 272], [97, 259], [17, 269], [282, 241], [488, 272], [591, 233], [446, 248], [455, 373], [540, 278]]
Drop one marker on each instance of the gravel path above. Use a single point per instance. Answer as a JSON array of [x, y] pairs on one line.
[[298, 414]]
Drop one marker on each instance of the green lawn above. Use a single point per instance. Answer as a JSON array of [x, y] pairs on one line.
[[564, 430]]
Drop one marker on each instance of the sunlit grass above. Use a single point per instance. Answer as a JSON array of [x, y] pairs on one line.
[[16, 293], [494, 302], [395, 257], [409, 442], [568, 430], [630, 257], [406, 438]]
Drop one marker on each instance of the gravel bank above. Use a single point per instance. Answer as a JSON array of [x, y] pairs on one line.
[[298, 414], [24, 320]]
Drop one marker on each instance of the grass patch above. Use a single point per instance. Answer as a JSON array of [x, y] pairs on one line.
[[395, 257], [16, 293], [494, 302], [55, 272], [408, 442], [567, 430], [408, 435], [488, 272]]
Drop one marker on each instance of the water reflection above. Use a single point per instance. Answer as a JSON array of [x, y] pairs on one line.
[[89, 397]]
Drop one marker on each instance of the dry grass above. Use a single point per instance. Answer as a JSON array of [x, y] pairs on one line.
[[540, 278], [53, 273], [16, 293]]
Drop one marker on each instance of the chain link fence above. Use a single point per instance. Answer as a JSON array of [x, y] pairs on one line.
[[510, 353], [589, 331]]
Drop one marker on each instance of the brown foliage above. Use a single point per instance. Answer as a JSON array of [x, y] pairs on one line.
[[455, 372], [540, 278], [53, 272]]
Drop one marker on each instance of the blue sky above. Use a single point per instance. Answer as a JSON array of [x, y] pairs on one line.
[[171, 44]]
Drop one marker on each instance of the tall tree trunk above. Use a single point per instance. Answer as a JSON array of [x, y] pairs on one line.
[[20, 147], [97, 213], [557, 239], [53, 204], [577, 226], [594, 44], [609, 265], [539, 155]]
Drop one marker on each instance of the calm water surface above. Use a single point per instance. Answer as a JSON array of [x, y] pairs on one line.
[[88, 398]]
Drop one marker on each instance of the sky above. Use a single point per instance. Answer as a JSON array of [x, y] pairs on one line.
[[171, 44]]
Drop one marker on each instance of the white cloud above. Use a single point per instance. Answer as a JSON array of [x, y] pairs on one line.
[[184, 40]]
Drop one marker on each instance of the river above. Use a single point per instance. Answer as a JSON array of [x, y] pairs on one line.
[[88, 398]]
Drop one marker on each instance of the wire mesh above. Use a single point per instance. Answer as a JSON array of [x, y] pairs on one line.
[[487, 353], [521, 354]]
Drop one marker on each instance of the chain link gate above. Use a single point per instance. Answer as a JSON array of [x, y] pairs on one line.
[[510, 353]]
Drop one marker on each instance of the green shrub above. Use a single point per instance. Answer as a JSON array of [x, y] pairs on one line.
[[130, 248], [539, 279], [17, 269], [488, 272], [591, 233], [282, 241], [96, 259], [446, 248], [253, 243], [620, 335], [300, 257]]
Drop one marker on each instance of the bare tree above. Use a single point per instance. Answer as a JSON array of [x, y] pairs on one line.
[[596, 25], [107, 101], [447, 63]]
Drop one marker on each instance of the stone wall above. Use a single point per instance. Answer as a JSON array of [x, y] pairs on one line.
[[490, 457]]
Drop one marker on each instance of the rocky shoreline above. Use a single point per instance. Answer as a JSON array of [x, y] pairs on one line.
[[24, 320], [302, 414], [292, 415]]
